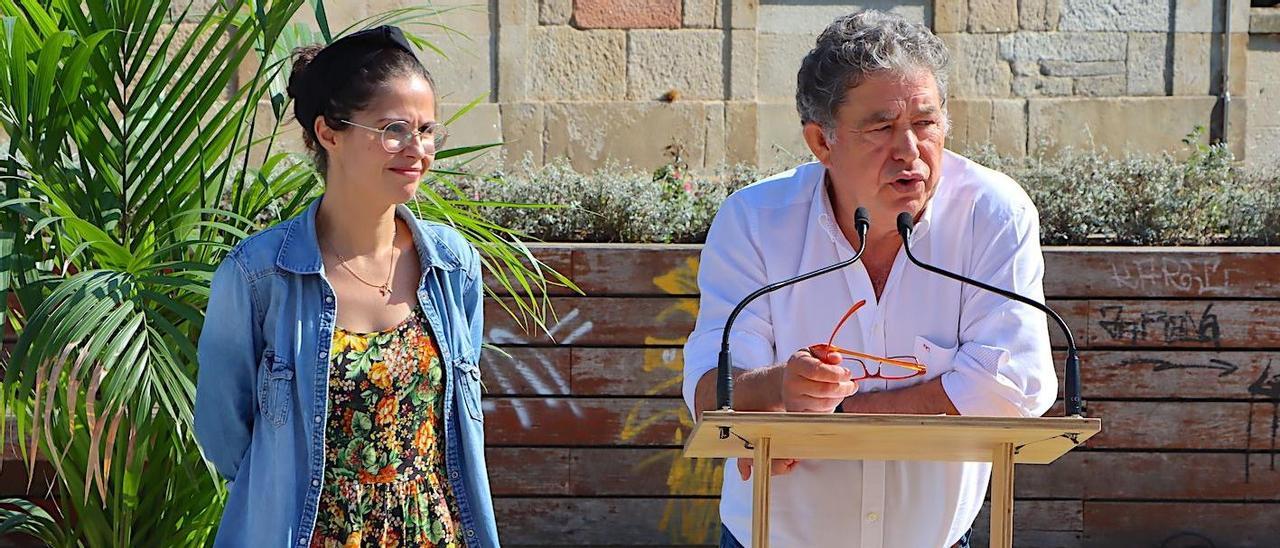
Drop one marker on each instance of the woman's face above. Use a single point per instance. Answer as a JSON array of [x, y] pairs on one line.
[[358, 158]]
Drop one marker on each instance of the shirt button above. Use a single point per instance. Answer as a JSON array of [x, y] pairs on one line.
[[872, 516], [328, 300], [324, 354], [315, 483], [317, 419]]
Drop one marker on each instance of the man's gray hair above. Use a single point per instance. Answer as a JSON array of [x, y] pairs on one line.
[[857, 46]]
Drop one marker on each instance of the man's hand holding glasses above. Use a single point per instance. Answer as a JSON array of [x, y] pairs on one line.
[[816, 380]]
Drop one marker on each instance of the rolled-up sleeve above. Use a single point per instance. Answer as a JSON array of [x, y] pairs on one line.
[[1004, 365], [229, 350], [730, 268]]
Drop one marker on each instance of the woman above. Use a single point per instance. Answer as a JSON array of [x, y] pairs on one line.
[[339, 391]]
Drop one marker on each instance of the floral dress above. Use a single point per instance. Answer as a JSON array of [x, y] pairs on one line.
[[385, 478]]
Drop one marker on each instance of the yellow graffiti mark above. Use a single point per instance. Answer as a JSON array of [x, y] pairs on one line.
[[687, 521], [681, 280]]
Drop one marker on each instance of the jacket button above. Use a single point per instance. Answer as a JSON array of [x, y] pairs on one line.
[[453, 474], [471, 532], [315, 483]]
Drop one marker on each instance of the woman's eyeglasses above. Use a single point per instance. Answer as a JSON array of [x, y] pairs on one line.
[[397, 135], [892, 368]]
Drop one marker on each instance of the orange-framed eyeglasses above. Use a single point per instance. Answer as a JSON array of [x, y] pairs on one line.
[[908, 365]]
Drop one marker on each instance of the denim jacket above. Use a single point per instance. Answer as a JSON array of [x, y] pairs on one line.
[[263, 385]]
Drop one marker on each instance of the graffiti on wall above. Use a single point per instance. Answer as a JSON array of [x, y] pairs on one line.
[[685, 520], [537, 372]]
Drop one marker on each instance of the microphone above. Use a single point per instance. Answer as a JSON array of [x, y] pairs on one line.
[[724, 382], [1075, 406]]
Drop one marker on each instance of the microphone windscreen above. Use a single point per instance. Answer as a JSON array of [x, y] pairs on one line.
[[861, 218], [905, 223]]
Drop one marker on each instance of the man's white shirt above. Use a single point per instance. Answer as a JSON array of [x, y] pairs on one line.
[[993, 354]]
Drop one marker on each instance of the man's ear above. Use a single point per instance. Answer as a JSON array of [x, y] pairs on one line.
[[819, 145]]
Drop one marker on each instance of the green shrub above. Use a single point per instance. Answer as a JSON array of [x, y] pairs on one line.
[[1084, 198], [613, 204]]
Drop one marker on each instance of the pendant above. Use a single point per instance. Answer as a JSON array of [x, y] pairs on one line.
[[384, 290]]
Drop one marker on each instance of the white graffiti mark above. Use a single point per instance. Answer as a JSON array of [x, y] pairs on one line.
[[540, 373], [1200, 275]]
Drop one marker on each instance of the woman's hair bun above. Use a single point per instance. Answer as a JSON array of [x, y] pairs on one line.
[[302, 57]]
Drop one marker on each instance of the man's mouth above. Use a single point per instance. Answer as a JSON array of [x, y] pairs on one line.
[[908, 182]]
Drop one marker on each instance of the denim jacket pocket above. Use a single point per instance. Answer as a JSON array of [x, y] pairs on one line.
[[275, 388], [468, 381]]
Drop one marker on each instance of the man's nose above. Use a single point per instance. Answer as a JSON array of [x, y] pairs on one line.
[[906, 146]]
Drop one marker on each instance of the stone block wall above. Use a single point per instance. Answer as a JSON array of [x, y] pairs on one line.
[[600, 80], [1029, 76], [595, 80], [1263, 88], [1124, 75]]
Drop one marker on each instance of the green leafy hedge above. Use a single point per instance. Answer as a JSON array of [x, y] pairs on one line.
[[1084, 199]]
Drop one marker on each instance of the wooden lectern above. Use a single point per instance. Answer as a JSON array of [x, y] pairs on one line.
[[1000, 441]]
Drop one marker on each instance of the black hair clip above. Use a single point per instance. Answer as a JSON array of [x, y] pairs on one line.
[[334, 64]]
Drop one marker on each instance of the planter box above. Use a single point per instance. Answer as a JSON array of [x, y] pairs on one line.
[[584, 426]]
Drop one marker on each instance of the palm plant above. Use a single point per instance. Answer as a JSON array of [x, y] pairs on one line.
[[133, 163]]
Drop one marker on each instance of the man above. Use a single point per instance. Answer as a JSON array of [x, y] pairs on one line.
[[871, 101]]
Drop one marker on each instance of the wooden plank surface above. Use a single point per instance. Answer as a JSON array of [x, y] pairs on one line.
[[658, 371], [1070, 272], [585, 421], [599, 321], [583, 371], [1162, 272], [1238, 375], [1183, 324], [1181, 524], [607, 521], [1156, 425], [1109, 475], [694, 521], [614, 321], [1183, 425], [640, 471], [1181, 476]]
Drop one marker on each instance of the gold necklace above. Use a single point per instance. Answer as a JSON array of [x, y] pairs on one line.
[[385, 287]]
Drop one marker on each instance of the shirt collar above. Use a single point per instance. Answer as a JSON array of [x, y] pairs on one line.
[[822, 208], [921, 228], [300, 251]]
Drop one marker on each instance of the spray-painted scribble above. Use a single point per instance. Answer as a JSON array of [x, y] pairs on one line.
[[1199, 275], [1162, 326], [1223, 367], [687, 521], [1268, 387], [540, 373]]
